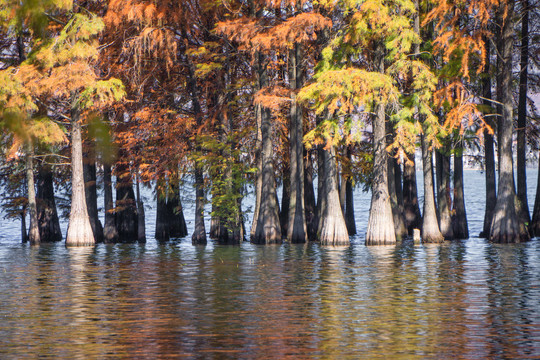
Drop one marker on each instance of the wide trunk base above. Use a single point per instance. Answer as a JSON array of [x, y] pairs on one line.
[[79, 232]]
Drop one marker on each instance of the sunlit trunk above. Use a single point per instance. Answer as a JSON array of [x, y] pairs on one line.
[[79, 229], [33, 231], [430, 225]]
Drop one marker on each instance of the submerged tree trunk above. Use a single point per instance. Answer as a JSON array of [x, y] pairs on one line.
[[199, 233], [79, 231], [444, 200], [126, 206], [489, 149], [505, 225], [285, 202], [297, 226], [461, 228], [413, 219], [49, 224], [110, 232], [430, 225], [33, 232], [397, 209], [380, 228], [522, 118], [24, 234], [90, 190]]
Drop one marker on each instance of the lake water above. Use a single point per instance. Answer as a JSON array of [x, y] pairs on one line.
[[463, 299]]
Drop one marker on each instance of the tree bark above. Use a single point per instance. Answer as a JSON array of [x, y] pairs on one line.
[[505, 225], [79, 231], [49, 224], [380, 229], [285, 201], [430, 225], [24, 234], [535, 222], [33, 231], [443, 195], [176, 221], [110, 232], [397, 210], [522, 118], [90, 190], [461, 228], [491, 190]]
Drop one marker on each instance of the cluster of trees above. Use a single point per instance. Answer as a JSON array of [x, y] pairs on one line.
[[267, 92]]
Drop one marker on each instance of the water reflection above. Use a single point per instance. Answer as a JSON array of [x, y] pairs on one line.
[[468, 299]]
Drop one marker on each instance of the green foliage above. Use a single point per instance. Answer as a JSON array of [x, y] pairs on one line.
[[100, 94]]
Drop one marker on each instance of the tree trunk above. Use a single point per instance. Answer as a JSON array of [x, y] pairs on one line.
[[332, 227], [126, 206], [199, 233], [79, 231], [141, 229], [443, 195], [413, 219], [461, 228], [268, 229], [33, 232], [522, 118], [258, 178], [49, 224], [535, 222], [397, 210], [176, 221], [110, 232], [90, 190], [350, 220], [309, 198], [285, 202], [505, 225], [380, 229], [491, 191], [162, 213], [430, 225], [297, 226], [24, 235]]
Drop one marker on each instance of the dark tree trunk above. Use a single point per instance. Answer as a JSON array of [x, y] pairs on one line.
[[199, 233], [397, 209], [443, 195], [285, 202], [297, 226], [90, 181], [505, 225], [162, 213], [309, 198], [380, 229], [430, 225], [175, 212], [268, 229], [79, 231], [332, 229], [33, 232], [49, 224], [258, 178], [110, 232], [491, 192], [141, 229], [461, 228], [350, 220], [126, 206], [24, 235], [413, 219], [522, 118]]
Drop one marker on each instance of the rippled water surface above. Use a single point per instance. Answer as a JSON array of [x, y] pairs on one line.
[[463, 299]]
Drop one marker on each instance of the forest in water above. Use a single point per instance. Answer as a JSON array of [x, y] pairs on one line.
[[314, 97]]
